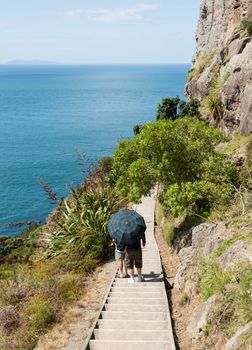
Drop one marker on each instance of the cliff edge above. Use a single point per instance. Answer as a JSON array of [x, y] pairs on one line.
[[221, 75]]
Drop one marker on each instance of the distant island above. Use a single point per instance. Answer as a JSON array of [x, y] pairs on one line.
[[34, 62]]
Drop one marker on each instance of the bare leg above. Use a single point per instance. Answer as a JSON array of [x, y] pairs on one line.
[[124, 268], [131, 272], [120, 268]]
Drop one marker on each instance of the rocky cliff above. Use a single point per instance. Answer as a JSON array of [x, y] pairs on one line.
[[221, 75]]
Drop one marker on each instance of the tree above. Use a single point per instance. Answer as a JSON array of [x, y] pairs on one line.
[[190, 109], [174, 108], [168, 108], [181, 155]]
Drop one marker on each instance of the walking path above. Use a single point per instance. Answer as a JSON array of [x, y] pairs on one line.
[[135, 316]]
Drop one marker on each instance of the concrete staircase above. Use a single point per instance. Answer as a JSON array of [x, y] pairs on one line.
[[135, 316]]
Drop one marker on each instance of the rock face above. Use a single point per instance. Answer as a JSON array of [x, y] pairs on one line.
[[206, 238], [198, 319], [235, 343], [224, 49]]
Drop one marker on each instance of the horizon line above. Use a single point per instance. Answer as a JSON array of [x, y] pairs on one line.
[[92, 64]]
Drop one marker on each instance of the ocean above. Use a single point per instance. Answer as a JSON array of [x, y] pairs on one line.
[[50, 115]]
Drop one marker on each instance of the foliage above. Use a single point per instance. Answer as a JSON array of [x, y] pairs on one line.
[[247, 26], [184, 299], [168, 108], [190, 109], [202, 62], [174, 108], [137, 129], [181, 155], [83, 229], [238, 140], [212, 279], [218, 82], [20, 248], [41, 312], [235, 307], [211, 105]]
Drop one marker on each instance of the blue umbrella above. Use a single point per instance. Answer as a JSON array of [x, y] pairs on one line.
[[126, 227]]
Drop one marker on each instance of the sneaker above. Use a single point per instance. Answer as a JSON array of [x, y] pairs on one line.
[[140, 278], [131, 280]]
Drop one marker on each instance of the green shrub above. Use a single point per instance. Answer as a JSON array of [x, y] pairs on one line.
[[184, 299], [181, 155], [212, 279], [169, 233], [247, 26], [83, 228], [41, 312], [69, 287], [218, 82], [168, 109], [201, 63], [174, 108], [235, 308], [211, 105]]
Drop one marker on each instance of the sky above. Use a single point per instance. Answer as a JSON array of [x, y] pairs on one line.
[[98, 31]]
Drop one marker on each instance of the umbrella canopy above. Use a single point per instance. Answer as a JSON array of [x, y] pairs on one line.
[[126, 227]]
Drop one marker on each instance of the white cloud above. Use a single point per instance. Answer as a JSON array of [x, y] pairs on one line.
[[114, 14]]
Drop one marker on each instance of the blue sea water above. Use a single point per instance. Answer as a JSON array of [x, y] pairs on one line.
[[50, 113]]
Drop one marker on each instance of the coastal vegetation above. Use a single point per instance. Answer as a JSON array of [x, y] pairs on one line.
[[181, 155], [174, 108], [201, 63], [247, 26], [211, 105], [42, 270]]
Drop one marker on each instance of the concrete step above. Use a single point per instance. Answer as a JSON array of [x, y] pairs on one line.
[[133, 307], [140, 301], [108, 334], [135, 294], [123, 282], [134, 315], [136, 287], [132, 324], [128, 345]]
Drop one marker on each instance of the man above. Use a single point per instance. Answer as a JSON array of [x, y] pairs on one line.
[[134, 258]]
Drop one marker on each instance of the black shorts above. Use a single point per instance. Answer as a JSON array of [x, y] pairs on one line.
[[133, 258]]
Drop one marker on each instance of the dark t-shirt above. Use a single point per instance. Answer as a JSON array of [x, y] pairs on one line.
[[136, 245]]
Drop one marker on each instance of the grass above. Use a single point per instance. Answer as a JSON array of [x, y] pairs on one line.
[[184, 299], [218, 82], [36, 283], [202, 62], [69, 287], [212, 106], [238, 140], [235, 308], [41, 312], [212, 279], [227, 244], [39, 292], [246, 341], [167, 224], [247, 26]]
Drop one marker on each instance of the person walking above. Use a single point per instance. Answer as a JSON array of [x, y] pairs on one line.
[[133, 258], [127, 227]]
